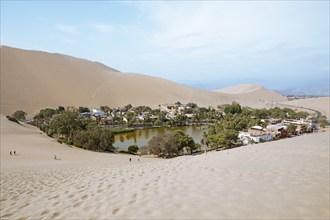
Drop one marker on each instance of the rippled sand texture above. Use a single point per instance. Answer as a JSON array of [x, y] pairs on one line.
[[286, 179]]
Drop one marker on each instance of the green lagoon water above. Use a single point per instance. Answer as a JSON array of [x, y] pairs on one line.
[[141, 137]]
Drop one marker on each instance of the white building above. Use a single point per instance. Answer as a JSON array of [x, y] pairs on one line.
[[97, 112], [246, 137]]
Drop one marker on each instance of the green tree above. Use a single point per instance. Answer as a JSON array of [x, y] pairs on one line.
[[234, 108], [67, 124], [224, 139], [291, 129], [60, 109], [45, 113], [323, 121], [163, 146], [19, 115], [192, 105], [94, 138], [184, 141], [128, 107], [83, 109], [106, 109], [133, 149]]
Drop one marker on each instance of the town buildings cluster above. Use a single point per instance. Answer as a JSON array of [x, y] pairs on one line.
[[276, 129]]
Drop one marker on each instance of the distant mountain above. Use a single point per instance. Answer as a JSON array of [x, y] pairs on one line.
[[306, 91]]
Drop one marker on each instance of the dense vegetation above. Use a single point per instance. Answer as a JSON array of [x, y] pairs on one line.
[[171, 144], [70, 127], [80, 128], [224, 133]]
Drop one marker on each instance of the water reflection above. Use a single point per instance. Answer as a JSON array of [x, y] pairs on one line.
[[142, 136]]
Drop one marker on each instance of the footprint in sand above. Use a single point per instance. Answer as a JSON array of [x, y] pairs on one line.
[[115, 211], [132, 201], [84, 197], [26, 204], [133, 198], [6, 216], [77, 204], [44, 212], [54, 197], [56, 214]]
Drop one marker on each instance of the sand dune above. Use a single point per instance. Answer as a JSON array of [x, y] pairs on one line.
[[321, 104], [241, 89], [287, 179], [35, 149], [32, 80], [253, 95]]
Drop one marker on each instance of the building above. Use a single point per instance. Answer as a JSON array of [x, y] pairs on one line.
[[247, 138], [255, 134], [257, 130], [302, 125], [97, 112]]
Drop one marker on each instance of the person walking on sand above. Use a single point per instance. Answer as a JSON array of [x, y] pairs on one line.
[[14, 152], [10, 153], [130, 159], [55, 157]]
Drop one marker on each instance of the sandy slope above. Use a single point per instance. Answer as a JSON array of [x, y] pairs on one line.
[[253, 95], [287, 179], [242, 88], [321, 104], [32, 80]]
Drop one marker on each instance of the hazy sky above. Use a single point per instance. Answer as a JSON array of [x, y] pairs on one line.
[[213, 44]]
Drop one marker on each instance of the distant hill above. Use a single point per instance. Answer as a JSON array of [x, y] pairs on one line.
[[245, 93], [319, 90], [31, 80]]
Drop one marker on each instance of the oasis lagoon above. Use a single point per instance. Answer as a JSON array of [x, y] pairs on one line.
[[141, 137]]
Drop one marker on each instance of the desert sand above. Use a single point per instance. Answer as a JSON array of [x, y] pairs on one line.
[[253, 95], [321, 104], [287, 179], [32, 80]]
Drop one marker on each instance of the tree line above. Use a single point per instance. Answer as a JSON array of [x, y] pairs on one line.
[[71, 127], [68, 126]]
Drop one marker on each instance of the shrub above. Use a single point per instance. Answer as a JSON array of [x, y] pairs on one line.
[[234, 108], [19, 115], [133, 149], [95, 138], [163, 146], [83, 109], [323, 121]]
